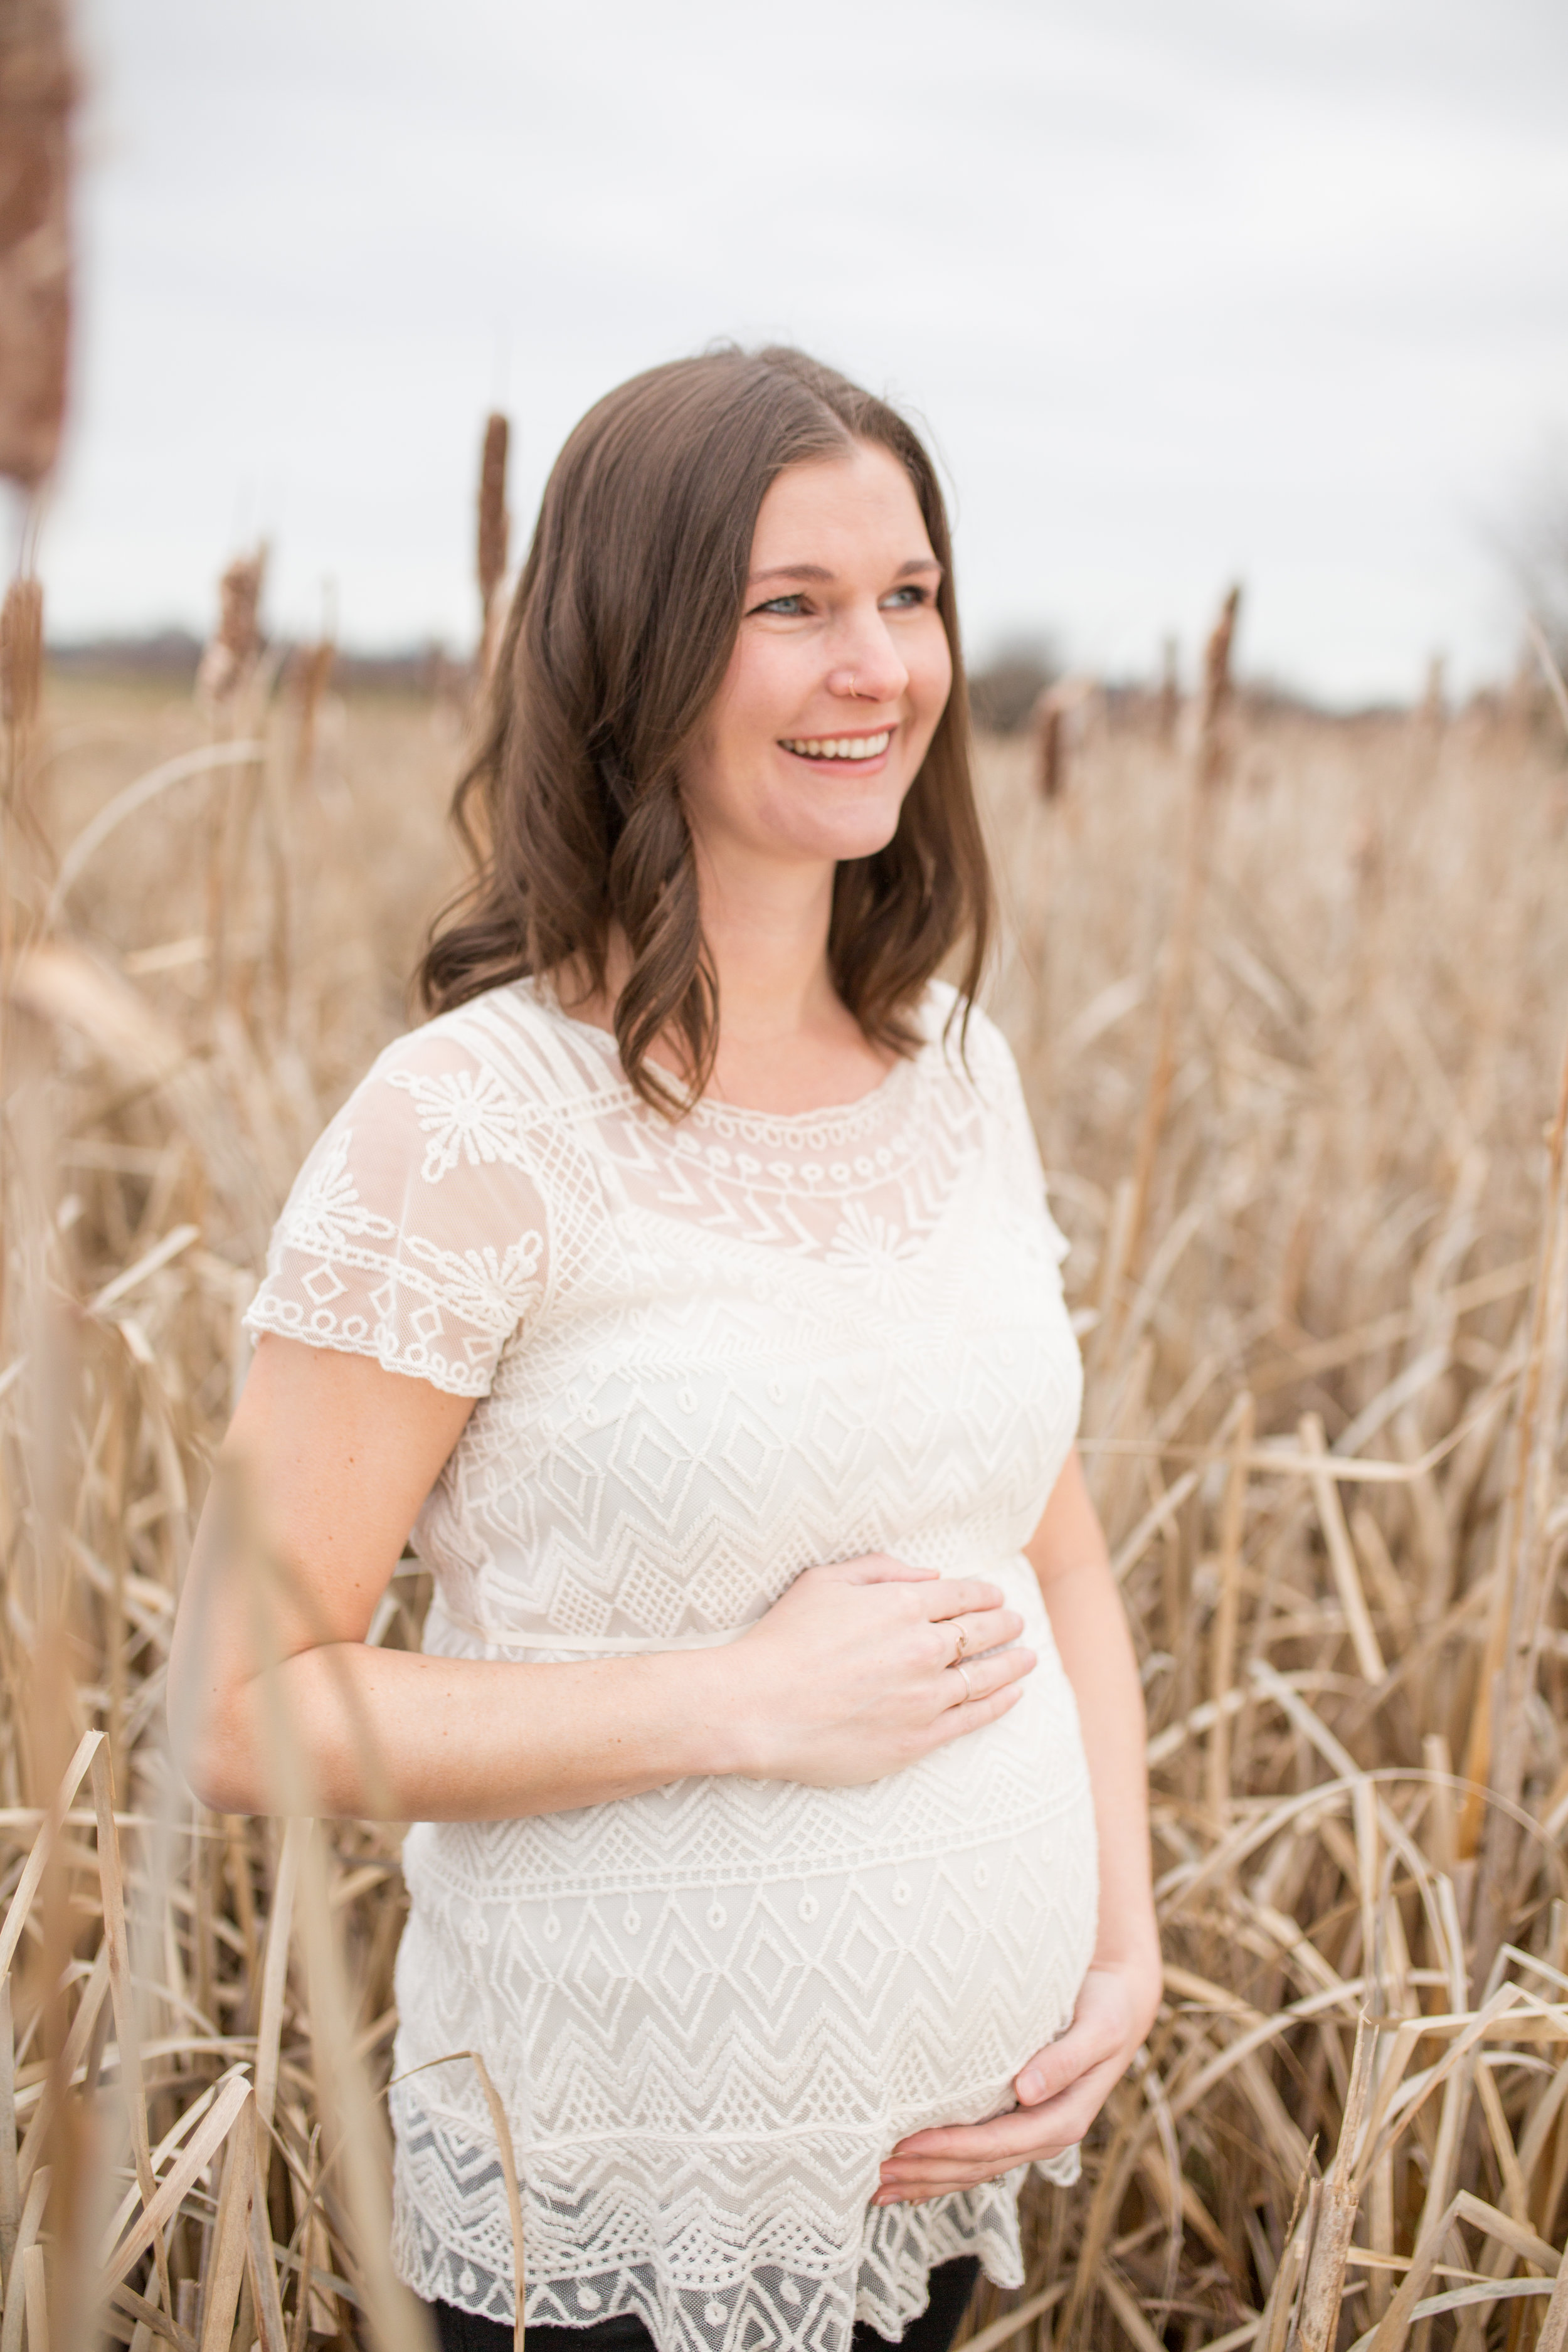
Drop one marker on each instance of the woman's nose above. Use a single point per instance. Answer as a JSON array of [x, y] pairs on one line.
[[869, 668]]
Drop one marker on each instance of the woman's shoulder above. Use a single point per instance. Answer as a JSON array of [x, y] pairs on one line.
[[486, 1084], [958, 1034], [512, 1039]]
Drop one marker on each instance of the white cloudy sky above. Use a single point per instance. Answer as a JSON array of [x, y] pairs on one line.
[[1184, 289]]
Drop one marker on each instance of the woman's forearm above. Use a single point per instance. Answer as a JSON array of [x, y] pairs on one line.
[[1089, 1626], [344, 1729], [847, 1677], [278, 1704]]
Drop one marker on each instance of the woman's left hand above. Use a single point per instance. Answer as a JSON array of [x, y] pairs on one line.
[[1061, 2092]]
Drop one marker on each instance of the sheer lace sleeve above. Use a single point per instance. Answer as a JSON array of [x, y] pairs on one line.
[[415, 1232], [996, 1073]]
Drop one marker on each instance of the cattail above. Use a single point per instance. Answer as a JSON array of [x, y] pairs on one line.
[[1213, 747], [1170, 704], [1210, 759], [492, 539], [38, 88], [1435, 700], [231, 655], [1050, 749], [1057, 720], [21, 652], [312, 676], [493, 531]]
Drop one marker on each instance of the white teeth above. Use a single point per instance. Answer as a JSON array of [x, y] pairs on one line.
[[839, 747]]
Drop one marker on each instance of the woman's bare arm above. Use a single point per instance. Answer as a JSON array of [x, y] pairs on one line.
[[1068, 1555], [277, 1704]]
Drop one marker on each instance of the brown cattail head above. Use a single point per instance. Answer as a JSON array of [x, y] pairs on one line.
[[311, 676], [1050, 748], [231, 655], [1170, 704], [38, 87], [21, 652], [1213, 748], [311, 672], [1435, 700], [1057, 722], [492, 540]]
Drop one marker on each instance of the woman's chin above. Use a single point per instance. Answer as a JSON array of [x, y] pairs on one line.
[[836, 836]]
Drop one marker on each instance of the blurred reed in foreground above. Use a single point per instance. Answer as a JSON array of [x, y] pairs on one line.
[[1292, 999]]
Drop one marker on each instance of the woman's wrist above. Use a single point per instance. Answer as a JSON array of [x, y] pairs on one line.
[[1141, 1971], [716, 1714]]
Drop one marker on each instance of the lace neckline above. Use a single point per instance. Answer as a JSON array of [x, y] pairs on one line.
[[735, 1118]]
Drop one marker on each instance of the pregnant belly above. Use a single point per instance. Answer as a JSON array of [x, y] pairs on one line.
[[738, 1960]]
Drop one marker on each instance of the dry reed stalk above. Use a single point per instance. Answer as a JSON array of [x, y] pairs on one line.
[[1050, 748], [313, 674], [1431, 712], [1227, 1612], [1322, 2284], [23, 843], [1168, 706], [25, 847], [231, 686], [37, 89], [493, 534], [21, 655], [234, 650], [1208, 768]]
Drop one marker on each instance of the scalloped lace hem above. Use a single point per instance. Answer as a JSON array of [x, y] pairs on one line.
[[884, 2282], [413, 1364]]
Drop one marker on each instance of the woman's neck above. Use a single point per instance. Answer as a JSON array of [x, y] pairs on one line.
[[787, 1043], [767, 938]]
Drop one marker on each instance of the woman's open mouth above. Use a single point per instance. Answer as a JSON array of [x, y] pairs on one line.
[[838, 747]]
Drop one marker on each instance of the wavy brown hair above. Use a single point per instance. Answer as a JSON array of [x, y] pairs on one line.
[[619, 636]]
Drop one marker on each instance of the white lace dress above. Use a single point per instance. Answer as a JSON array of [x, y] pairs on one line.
[[706, 1356]]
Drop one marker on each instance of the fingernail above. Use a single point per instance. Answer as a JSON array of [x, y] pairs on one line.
[[1030, 2089]]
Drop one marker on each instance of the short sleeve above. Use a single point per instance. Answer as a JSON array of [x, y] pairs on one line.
[[415, 1232], [996, 1075]]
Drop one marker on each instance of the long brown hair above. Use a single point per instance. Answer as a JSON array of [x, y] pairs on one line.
[[618, 638]]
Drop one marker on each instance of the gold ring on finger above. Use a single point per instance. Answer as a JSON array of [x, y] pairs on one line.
[[963, 1642], [963, 1678]]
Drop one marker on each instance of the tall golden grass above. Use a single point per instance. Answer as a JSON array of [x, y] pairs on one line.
[[1291, 1000]]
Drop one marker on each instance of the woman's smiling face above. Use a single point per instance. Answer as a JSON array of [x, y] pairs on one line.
[[839, 675]]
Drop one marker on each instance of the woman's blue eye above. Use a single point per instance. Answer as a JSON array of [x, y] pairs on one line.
[[791, 607]]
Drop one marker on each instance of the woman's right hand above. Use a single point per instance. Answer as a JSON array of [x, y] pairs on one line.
[[851, 1675]]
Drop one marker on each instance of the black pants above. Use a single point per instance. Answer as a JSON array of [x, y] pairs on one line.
[[952, 2285]]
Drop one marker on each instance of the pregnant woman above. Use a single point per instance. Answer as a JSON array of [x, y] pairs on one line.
[[687, 1285]]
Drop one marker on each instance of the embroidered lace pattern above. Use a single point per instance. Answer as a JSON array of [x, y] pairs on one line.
[[704, 1357]]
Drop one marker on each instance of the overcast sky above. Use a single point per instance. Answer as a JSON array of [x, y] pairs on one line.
[[1183, 289]]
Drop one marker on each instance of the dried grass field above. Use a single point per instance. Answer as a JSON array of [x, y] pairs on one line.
[[1291, 1000]]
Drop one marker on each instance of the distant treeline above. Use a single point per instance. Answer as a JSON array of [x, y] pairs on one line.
[[172, 655], [1003, 692]]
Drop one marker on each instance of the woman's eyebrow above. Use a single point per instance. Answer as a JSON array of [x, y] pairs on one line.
[[818, 571]]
